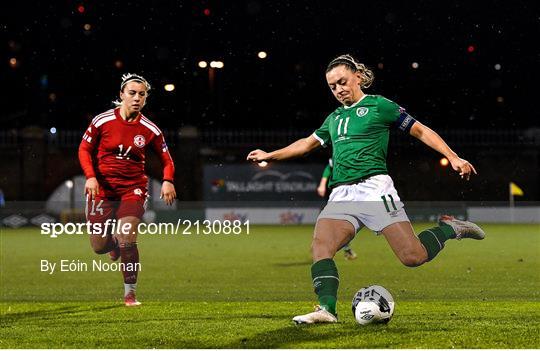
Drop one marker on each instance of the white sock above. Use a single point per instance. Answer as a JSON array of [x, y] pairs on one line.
[[129, 287]]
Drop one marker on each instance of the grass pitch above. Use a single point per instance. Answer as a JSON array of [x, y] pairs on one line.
[[241, 291]]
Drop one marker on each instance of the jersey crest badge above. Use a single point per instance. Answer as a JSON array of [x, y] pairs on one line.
[[137, 192], [139, 141], [362, 111]]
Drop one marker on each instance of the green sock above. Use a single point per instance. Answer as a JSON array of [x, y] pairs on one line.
[[326, 281], [433, 239]]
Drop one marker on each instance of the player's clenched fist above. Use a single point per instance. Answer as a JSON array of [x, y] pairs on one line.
[[257, 156]]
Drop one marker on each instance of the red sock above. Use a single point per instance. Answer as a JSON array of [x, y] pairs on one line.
[[130, 257]]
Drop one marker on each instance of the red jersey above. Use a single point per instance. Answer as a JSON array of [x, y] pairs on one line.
[[121, 147]]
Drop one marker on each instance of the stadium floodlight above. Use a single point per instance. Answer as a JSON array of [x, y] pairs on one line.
[[415, 65], [262, 54], [217, 64], [203, 64], [169, 87], [52, 130], [444, 162]]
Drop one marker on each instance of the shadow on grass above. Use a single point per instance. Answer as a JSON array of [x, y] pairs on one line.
[[294, 336], [52, 312]]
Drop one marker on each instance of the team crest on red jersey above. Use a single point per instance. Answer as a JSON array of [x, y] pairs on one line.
[[139, 141]]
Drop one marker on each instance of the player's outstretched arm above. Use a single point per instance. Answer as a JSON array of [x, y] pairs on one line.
[[296, 149], [433, 140]]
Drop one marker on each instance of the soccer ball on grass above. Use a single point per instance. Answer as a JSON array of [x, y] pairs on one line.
[[373, 304]]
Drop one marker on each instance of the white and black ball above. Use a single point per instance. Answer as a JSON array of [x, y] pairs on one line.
[[373, 304]]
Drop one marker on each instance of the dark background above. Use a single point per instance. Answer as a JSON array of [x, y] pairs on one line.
[[164, 41], [56, 73]]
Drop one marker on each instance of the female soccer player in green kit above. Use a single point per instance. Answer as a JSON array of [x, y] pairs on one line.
[[363, 193]]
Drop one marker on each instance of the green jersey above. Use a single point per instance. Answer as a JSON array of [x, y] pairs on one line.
[[359, 136]]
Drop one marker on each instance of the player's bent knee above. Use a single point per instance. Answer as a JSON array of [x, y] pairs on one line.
[[413, 259]]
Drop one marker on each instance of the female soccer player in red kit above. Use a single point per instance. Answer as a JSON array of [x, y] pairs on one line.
[[112, 155]]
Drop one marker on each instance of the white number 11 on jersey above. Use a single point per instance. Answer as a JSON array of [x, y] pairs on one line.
[[344, 128]]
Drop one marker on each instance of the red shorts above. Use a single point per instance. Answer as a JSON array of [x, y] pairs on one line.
[[119, 204]]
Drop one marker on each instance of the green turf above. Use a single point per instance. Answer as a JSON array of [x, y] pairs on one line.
[[218, 291]]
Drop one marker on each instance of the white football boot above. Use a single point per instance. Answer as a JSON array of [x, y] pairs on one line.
[[463, 229], [319, 316]]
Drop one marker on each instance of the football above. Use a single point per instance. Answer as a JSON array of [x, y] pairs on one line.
[[373, 304]]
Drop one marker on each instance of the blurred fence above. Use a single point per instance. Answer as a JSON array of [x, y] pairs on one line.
[[35, 161]]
